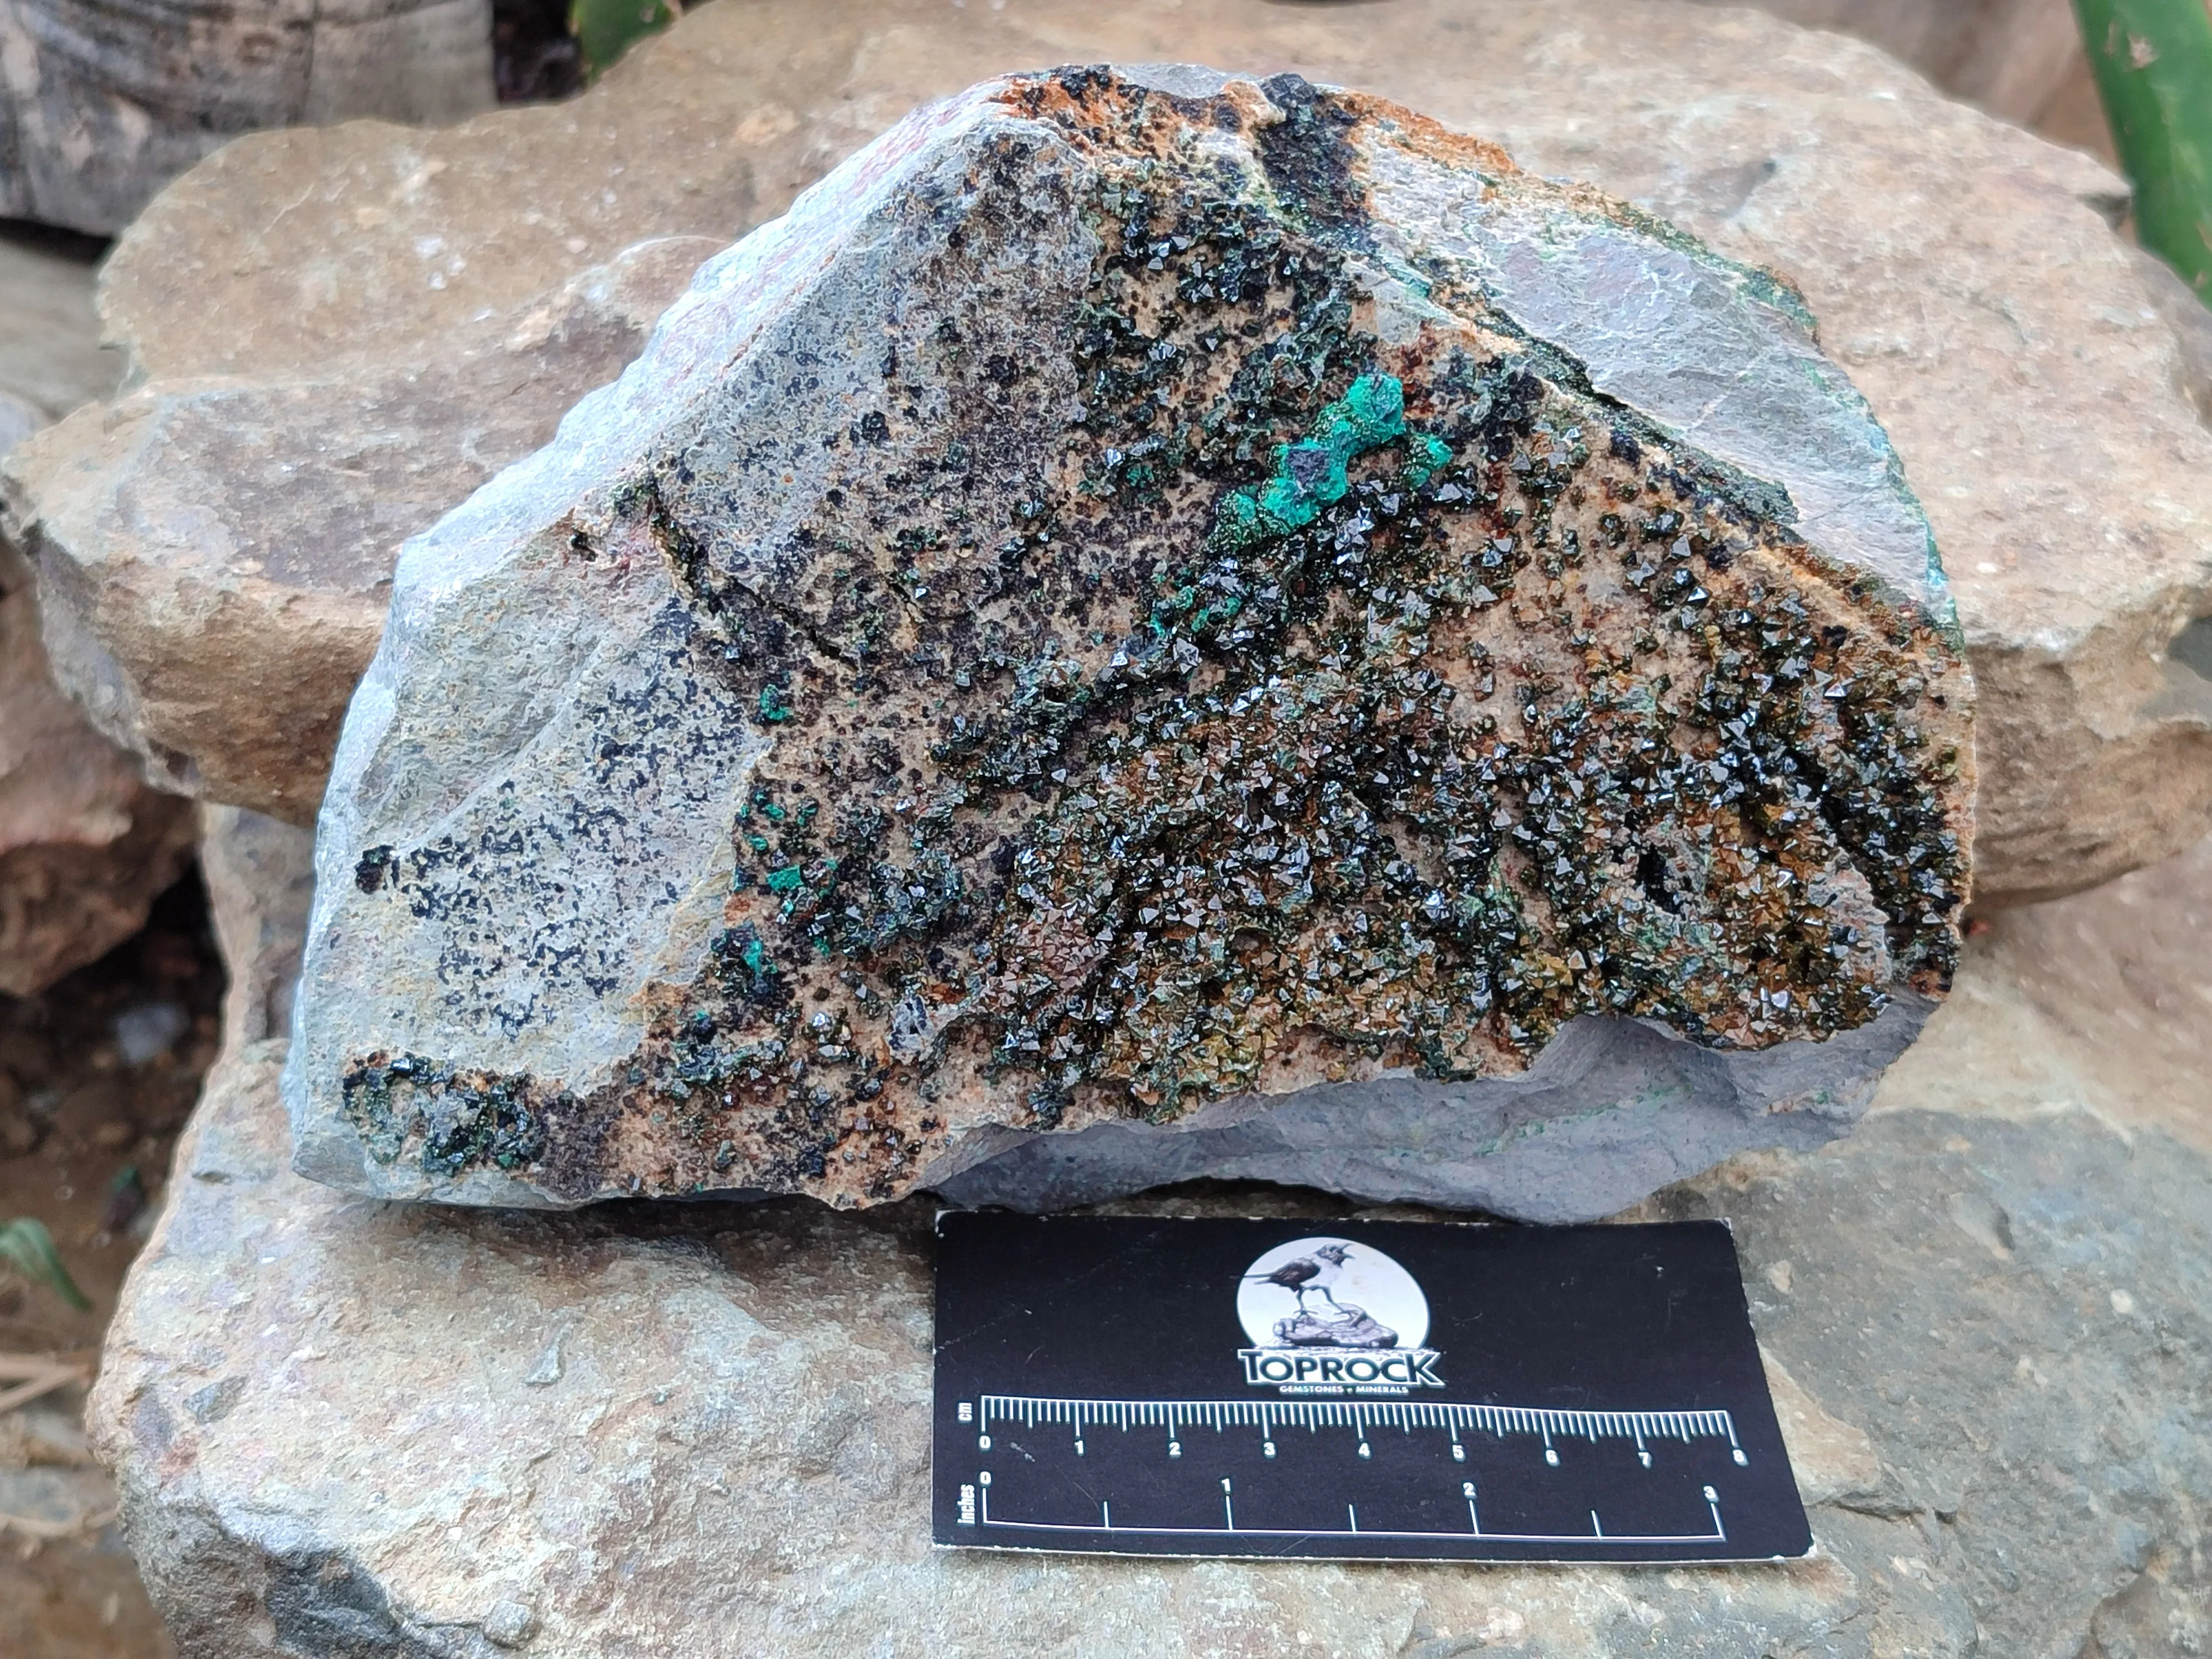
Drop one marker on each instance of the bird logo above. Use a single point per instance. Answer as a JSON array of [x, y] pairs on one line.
[[1317, 1273], [1328, 1315]]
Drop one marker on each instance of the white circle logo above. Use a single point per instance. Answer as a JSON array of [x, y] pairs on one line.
[[1330, 1293]]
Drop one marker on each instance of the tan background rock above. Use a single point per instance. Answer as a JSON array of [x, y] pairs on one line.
[[1833, 1461], [2015, 59], [1962, 271], [85, 846], [260, 876], [229, 674], [2099, 1003]]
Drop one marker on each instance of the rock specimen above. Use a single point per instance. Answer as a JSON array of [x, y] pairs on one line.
[[1153, 628], [1965, 273], [345, 1428], [85, 846], [106, 104]]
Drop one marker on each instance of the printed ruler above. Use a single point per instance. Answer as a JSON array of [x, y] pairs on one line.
[[1159, 1387]]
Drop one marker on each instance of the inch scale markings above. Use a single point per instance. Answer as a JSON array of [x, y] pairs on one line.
[[1359, 1416]]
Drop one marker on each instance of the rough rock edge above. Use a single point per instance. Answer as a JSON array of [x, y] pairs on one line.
[[1610, 1111], [212, 1569]]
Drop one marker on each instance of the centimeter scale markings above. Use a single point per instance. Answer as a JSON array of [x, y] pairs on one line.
[[1359, 1416]]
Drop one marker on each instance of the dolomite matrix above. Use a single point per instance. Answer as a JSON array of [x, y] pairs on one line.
[[1156, 625]]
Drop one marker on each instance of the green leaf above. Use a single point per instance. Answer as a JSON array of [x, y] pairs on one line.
[[28, 1248], [605, 29], [2152, 60]]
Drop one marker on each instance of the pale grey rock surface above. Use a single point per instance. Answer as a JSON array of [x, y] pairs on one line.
[[19, 419], [105, 104], [2191, 320], [542, 971], [336, 1431], [1964, 272]]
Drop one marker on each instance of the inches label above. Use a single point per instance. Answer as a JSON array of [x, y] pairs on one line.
[[1138, 1386]]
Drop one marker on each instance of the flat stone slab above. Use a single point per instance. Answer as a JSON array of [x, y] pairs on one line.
[[341, 1426], [1155, 624], [1963, 272]]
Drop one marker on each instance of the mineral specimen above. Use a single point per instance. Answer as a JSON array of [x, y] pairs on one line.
[[1154, 625]]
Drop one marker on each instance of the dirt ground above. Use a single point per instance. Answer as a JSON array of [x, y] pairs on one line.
[[96, 1077]]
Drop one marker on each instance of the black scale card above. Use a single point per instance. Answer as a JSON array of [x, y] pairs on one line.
[[1139, 1386]]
